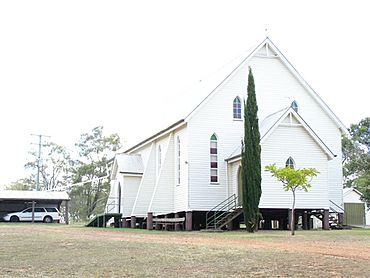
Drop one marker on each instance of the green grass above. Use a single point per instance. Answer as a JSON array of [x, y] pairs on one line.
[[39, 250]]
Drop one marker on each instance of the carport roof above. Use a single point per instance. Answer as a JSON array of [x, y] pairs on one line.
[[33, 195]]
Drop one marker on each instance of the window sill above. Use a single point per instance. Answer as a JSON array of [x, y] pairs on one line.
[[214, 183], [237, 120]]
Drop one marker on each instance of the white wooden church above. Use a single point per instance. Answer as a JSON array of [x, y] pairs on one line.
[[186, 170]]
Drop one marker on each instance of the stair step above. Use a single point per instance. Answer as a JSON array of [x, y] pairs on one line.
[[212, 230], [101, 220]]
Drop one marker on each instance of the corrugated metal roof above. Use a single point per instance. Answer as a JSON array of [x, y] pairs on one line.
[[130, 163], [32, 195]]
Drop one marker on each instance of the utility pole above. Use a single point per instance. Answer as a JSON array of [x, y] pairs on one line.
[[39, 158]]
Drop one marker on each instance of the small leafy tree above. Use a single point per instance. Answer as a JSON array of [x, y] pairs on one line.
[[293, 179]]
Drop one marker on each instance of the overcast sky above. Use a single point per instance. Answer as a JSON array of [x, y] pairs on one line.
[[130, 66]]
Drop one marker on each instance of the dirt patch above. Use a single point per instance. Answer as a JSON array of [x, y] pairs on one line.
[[343, 249], [72, 251]]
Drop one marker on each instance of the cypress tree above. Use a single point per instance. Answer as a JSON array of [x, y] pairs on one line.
[[251, 160]]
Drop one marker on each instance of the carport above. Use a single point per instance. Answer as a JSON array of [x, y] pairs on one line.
[[16, 200]]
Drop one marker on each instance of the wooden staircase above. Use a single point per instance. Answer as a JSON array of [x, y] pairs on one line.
[[223, 214], [336, 213], [336, 216]]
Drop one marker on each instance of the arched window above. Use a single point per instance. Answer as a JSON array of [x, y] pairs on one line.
[[213, 159], [159, 158], [290, 163], [294, 105], [178, 160], [237, 108]]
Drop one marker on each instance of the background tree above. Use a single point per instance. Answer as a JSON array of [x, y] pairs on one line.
[[22, 184], [83, 171], [251, 160], [55, 166], [293, 179], [356, 158], [95, 152]]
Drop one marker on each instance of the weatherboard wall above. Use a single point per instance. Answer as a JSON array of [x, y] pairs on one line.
[[279, 146], [129, 191], [163, 193], [295, 142], [214, 117], [277, 87], [181, 189], [146, 187], [158, 191]]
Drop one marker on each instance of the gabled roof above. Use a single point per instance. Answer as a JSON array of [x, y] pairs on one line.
[[211, 85], [348, 190], [271, 122], [157, 135], [238, 63], [131, 164]]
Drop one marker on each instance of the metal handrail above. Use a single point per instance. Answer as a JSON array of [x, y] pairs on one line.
[[104, 205], [336, 205], [216, 214], [226, 200], [108, 207]]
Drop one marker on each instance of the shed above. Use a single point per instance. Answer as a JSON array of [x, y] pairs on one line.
[[17, 200], [356, 212]]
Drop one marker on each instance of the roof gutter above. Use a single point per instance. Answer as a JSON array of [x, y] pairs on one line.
[[155, 136]]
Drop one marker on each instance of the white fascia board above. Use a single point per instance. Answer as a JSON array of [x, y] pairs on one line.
[[275, 125], [302, 123], [235, 159], [316, 138], [114, 169], [319, 100], [155, 137], [352, 190]]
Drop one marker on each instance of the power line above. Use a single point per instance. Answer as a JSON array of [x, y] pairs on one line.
[[39, 158]]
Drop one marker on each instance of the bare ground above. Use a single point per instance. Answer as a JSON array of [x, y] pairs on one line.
[[58, 251]]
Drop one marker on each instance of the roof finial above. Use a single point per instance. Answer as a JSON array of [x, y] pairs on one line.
[[266, 32]]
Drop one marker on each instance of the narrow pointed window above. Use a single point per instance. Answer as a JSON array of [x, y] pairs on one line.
[[237, 108], [290, 163], [159, 158], [178, 160], [294, 105], [213, 159]]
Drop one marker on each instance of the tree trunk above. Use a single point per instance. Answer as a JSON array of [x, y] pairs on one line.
[[292, 221]]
